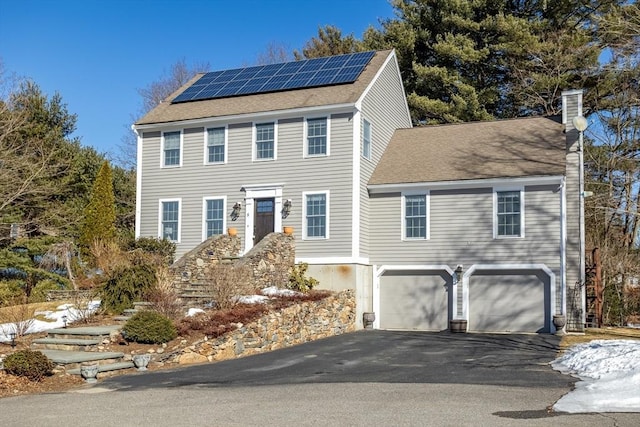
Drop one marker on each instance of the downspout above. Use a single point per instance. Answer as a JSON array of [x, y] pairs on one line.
[[563, 248]]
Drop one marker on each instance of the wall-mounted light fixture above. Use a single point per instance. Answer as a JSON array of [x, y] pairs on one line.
[[286, 208], [458, 272], [235, 213]]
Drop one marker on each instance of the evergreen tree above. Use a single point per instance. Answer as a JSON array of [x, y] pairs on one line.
[[100, 213]]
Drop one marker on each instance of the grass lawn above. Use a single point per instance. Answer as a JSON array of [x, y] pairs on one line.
[[607, 333]]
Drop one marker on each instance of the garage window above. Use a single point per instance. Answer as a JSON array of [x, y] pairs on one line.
[[509, 220], [415, 216]]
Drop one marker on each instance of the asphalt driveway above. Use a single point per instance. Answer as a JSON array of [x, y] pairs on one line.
[[368, 378], [379, 357]]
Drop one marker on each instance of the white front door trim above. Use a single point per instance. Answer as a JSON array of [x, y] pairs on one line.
[[260, 191]]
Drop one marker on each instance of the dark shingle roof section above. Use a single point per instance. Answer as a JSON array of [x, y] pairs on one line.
[[470, 151], [347, 93]]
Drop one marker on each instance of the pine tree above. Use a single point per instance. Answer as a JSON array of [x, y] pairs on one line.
[[100, 213]]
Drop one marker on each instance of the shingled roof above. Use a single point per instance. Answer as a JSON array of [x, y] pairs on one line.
[[298, 98], [470, 151]]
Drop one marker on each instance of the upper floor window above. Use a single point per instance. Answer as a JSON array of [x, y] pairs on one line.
[[265, 141], [170, 220], [171, 148], [415, 216], [366, 139], [315, 215], [216, 145], [317, 137], [214, 217], [508, 209]]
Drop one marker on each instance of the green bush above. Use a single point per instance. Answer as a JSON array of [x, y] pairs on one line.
[[163, 247], [149, 327], [126, 285], [26, 363], [298, 280]]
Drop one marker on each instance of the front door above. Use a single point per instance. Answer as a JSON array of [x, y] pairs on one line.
[[264, 219]]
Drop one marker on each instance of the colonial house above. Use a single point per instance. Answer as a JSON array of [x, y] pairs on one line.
[[474, 223]]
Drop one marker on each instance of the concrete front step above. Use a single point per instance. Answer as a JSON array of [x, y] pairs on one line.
[[68, 344], [84, 332], [106, 368], [74, 359]]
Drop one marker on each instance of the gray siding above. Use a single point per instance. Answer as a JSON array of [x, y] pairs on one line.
[[195, 180], [385, 107], [461, 231]]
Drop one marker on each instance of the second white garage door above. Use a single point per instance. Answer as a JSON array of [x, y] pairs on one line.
[[516, 302], [414, 300]]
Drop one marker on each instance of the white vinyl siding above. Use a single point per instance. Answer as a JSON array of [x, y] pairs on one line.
[[214, 209], [216, 145], [415, 216], [366, 139], [316, 215], [169, 226], [317, 138], [509, 219], [171, 148], [265, 141]]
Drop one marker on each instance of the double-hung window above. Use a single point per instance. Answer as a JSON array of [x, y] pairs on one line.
[[214, 217], [366, 139], [171, 148], [415, 216], [316, 215], [317, 137], [265, 148], [509, 213], [216, 145], [170, 220]]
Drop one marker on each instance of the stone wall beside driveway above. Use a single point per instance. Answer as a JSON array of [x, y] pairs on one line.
[[300, 323]]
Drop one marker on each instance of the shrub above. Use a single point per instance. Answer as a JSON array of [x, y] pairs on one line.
[[226, 283], [126, 285], [164, 298], [163, 247], [298, 281], [216, 323], [149, 327], [30, 364]]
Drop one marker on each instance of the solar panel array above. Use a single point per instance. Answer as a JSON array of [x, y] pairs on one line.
[[277, 77]]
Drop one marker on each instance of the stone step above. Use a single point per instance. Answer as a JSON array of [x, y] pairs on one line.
[[105, 368], [142, 304], [129, 311], [69, 344], [84, 332], [73, 359], [121, 318]]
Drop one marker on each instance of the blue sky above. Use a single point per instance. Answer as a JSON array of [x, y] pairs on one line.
[[96, 54]]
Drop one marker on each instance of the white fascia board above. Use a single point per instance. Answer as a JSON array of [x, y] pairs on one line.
[[471, 183], [251, 117]]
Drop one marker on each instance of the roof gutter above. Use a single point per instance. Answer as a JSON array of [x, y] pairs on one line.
[[469, 183]]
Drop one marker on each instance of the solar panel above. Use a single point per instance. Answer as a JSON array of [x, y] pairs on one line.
[[277, 77]]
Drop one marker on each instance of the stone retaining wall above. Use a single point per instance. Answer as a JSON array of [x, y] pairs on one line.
[[193, 266], [297, 324], [271, 260]]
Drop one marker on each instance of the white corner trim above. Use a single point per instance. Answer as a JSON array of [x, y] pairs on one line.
[[355, 186], [138, 182]]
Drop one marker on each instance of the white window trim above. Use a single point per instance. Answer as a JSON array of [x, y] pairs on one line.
[[403, 234], [304, 215], [204, 214], [206, 145], [497, 190], [305, 135], [162, 152], [255, 141], [370, 140], [160, 202]]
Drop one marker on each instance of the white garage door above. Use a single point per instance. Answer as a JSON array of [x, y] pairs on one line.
[[414, 300], [509, 302]]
